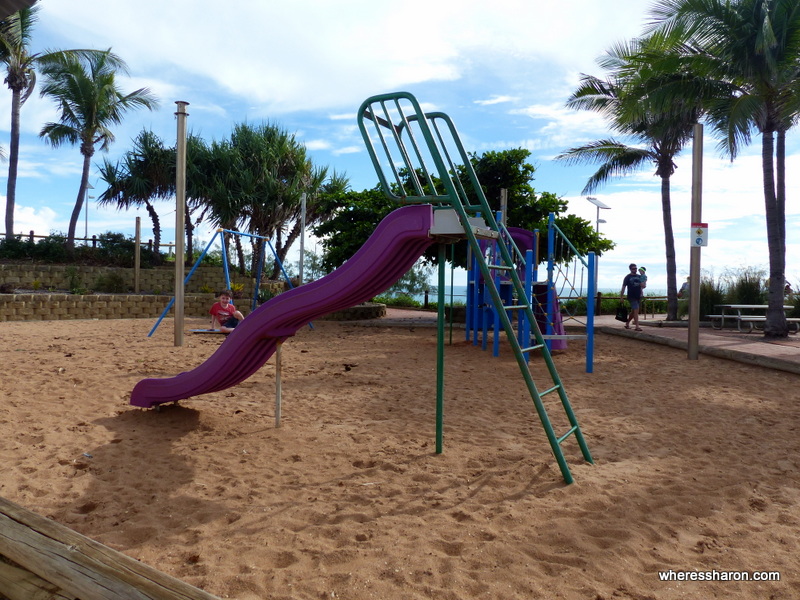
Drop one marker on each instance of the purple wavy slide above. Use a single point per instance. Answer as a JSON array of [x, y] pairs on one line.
[[393, 248]]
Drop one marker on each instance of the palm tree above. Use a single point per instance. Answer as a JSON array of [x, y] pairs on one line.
[[15, 37], [16, 31], [85, 88], [145, 173], [753, 46], [657, 133]]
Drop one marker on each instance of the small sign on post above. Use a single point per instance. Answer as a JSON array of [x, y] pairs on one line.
[[699, 234]]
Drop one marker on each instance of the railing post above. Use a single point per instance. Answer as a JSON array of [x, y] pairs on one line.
[[31, 236]]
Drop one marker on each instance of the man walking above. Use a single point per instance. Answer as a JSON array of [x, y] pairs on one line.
[[633, 284]]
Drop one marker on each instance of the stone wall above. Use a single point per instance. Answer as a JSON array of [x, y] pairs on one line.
[[55, 307], [159, 280]]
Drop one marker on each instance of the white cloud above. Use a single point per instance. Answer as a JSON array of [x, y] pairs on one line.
[[41, 220], [496, 100], [313, 53]]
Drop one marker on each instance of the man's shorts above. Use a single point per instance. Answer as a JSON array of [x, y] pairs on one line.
[[634, 303]]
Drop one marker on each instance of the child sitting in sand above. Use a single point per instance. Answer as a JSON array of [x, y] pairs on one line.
[[224, 315]]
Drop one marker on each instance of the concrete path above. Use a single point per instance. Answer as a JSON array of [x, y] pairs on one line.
[[750, 348]]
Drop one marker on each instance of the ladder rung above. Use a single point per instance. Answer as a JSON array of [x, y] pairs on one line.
[[516, 307], [552, 389], [532, 348], [572, 430], [500, 267]]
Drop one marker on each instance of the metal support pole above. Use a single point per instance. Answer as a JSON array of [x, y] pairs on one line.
[[180, 219], [302, 235], [694, 257], [440, 354], [137, 257], [278, 390]]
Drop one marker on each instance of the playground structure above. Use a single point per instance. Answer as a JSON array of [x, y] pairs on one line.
[[422, 156], [570, 279]]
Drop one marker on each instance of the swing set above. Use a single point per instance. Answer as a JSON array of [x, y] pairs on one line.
[[220, 233]]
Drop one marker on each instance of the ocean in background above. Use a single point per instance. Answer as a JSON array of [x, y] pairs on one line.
[[460, 294]]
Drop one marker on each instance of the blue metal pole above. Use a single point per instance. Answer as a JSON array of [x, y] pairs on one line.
[[185, 281], [590, 310]]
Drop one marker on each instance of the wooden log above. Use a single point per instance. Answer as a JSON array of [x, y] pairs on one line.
[[80, 567], [18, 584]]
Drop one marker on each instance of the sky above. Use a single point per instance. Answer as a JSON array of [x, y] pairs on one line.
[[502, 71]]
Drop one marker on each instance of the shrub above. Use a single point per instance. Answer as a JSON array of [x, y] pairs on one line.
[[52, 249], [111, 283], [237, 289], [265, 295], [401, 300], [74, 284], [712, 293], [746, 287], [15, 248], [795, 301]]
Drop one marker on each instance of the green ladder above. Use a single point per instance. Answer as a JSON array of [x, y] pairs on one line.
[[427, 163]]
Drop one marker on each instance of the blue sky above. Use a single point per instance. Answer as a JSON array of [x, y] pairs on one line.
[[501, 70]]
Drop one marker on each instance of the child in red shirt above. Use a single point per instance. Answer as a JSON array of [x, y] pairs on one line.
[[224, 315]]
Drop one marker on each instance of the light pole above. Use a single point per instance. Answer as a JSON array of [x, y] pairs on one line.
[[89, 186], [599, 205], [598, 220]]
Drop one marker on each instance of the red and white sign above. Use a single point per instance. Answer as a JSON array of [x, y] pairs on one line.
[[699, 235]]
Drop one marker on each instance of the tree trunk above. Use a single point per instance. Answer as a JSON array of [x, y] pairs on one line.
[[189, 257], [156, 225], [76, 212], [13, 161], [669, 245], [276, 265], [775, 325], [237, 239]]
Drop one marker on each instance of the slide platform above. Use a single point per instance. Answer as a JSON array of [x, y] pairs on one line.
[[393, 248]]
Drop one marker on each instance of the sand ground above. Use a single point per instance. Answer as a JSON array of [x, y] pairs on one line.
[[696, 466]]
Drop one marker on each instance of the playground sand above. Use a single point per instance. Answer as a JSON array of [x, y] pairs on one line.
[[696, 466]]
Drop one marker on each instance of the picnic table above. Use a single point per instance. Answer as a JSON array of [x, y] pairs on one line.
[[746, 315]]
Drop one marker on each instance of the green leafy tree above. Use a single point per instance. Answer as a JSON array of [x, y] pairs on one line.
[[527, 208], [752, 48], [356, 214], [251, 181], [89, 102]]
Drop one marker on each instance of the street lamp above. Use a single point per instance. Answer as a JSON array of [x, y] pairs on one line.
[[86, 212], [599, 205]]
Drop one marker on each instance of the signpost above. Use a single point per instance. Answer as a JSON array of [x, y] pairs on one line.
[[699, 239]]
